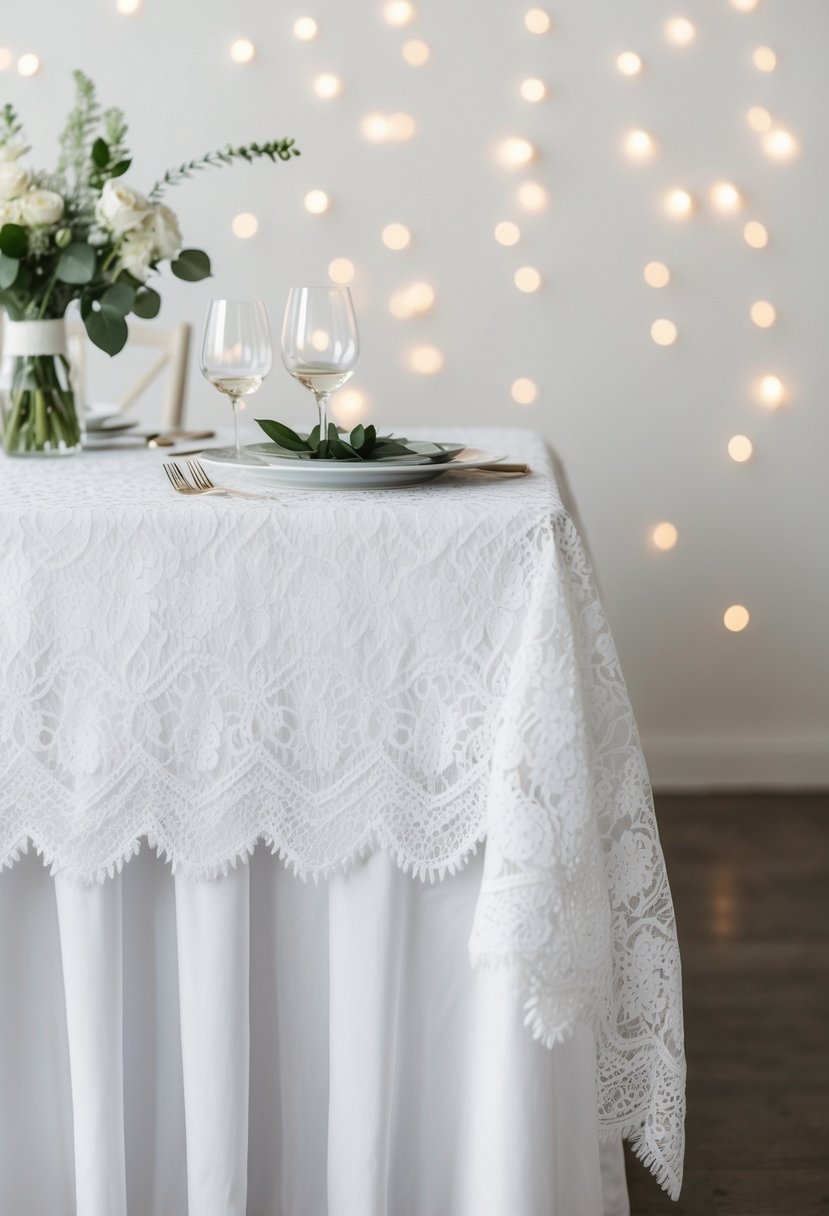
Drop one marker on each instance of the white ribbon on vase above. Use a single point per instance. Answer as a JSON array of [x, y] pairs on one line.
[[27, 338]]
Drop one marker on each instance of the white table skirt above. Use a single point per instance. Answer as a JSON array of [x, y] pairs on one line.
[[386, 1078], [337, 674]]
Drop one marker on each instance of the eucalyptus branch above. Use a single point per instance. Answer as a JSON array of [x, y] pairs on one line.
[[275, 149], [77, 135], [115, 132], [10, 124]]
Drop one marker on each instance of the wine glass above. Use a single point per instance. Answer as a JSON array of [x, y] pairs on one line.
[[320, 344], [236, 352]]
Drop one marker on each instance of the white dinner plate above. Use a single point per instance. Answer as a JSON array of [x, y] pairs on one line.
[[224, 469]]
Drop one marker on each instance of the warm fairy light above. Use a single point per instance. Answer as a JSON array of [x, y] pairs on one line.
[[679, 203], [680, 31], [532, 196], [639, 145], [242, 50], [396, 236], [771, 391], [736, 618], [376, 128], [398, 12], [341, 271], [320, 340], [305, 28], [664, 536], [507, 233], [515, 152], [780, 144], [425, 360], [401, 127], [379, 128], [756, 235], [745, 6], [28, 65], [524, 391], [664, 332], [764, 59], [537, 21], [349, 406], [533, 89], [245, 225], [400, 306], [527, 279], [725, 197], [740, 448], [327, 85], [5, 58], [415, 52], [758, 118], [629, 63], [421, 297], [412, 301], [763, 314], [127, 8], [317, 202], [657, 274]]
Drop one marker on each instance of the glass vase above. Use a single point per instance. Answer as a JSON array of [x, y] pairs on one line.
[[39, 417]]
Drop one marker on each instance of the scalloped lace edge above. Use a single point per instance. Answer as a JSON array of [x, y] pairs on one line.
[[374, 843]]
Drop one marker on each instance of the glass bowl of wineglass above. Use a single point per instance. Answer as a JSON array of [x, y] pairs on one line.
[[320, 343], [237, 352]]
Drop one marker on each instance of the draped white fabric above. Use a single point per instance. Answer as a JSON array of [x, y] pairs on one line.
[[334, 674], [385, 1078]]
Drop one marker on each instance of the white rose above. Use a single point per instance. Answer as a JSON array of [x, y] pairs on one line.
[[136, 254], [9, 213], [120, 209], [13, 180], [38, 207], [166, 232], [13, 149]]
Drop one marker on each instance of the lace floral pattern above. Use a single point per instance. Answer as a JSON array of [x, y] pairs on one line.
[[209, 674]]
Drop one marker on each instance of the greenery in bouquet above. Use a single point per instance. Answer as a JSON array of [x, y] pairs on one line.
[[82, 233]]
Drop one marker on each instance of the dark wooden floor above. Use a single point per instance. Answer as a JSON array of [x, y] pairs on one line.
[[750, 879]]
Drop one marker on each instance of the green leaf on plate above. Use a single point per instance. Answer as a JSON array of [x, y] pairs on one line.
[[282, 435]]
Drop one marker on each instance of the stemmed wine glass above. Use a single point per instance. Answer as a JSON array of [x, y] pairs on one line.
[[236, 353], [320, 344]]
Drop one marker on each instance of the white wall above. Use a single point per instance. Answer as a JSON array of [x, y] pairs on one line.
[[642, 429]]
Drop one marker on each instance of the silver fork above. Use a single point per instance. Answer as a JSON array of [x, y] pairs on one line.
[[203, 484]]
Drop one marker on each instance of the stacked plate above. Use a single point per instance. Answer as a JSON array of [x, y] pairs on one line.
[[267, 464]]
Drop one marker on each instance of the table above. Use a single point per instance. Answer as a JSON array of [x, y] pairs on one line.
[[351, 681]]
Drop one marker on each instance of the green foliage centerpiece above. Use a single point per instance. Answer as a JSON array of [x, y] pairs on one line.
[[81, 233]]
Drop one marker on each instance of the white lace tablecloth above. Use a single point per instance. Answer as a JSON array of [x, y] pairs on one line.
[[335, 673]]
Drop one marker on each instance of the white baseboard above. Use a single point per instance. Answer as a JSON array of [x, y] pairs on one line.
[[690, 762]]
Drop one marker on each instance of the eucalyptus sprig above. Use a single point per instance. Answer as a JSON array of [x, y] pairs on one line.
[[274, 149], [362, 444]]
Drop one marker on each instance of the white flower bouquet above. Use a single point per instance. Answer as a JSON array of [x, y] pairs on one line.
[[81, 233]]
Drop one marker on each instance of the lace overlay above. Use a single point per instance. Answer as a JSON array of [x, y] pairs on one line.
[[414, 671]]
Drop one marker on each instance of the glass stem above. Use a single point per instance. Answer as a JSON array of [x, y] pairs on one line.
[[322, 406], [234, 401]]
